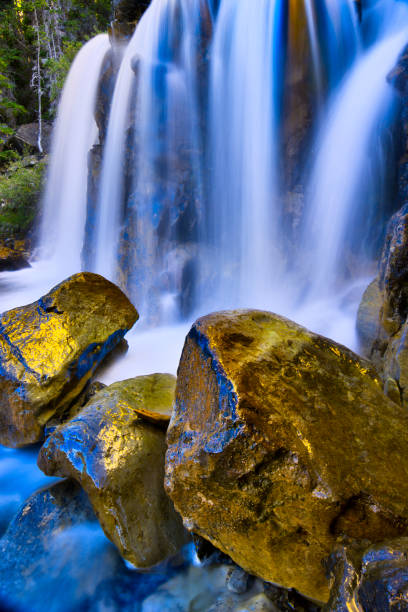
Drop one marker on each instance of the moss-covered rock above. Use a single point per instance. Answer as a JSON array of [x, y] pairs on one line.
[[282, 444], [118, 458], [50, 349]]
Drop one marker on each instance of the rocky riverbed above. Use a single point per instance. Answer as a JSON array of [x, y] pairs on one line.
[[284, 482]]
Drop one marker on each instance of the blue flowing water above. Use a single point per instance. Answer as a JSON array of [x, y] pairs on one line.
[[225, 141]]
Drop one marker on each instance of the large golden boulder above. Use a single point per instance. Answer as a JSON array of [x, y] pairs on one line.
[[118, 458], [281, 445], [50, 349]]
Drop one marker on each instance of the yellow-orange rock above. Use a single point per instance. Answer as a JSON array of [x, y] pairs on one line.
[[118, 458], [281, 445], [50, 349]]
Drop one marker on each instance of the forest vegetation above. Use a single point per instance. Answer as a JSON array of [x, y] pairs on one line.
[[38, 42]]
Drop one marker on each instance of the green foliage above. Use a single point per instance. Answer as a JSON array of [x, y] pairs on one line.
[[59, 68], [38, 41], [20, 191]]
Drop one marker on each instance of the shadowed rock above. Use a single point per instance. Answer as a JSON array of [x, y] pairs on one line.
[[118, 458], [55, 556], [50, 349], [368, 317], [374, 579], [12, 259], [382, 318], [281, 444], [54, 540]]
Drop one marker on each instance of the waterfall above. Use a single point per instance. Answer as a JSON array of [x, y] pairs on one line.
[[339, 176], [334, 40], [215, 190], [152, 152], [244, 212], [64, 202], [246, 217]]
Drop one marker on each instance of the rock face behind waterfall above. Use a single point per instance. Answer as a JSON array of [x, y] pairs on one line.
[[281, 446], [118, 458], [50, 349], [382, 318]]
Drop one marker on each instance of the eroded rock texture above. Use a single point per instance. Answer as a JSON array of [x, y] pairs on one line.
[[118, 458], [50, 349], [281, 445]]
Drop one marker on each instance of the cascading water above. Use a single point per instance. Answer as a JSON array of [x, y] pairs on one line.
[[347, 171], [192, 194], [63, 224], [336, 183], [244, 212], [334, 40], [158, 84], [246, 216]]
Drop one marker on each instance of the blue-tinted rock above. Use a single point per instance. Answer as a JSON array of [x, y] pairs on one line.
[[374, 580], [54, 556]]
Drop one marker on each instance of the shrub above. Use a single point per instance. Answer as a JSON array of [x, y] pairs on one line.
[[20, 192]]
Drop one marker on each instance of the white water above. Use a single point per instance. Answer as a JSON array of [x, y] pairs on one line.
[[334, 42], [314, 46], [245, 215], [64, 206], [337, 179], [155, 111], [244, 236]]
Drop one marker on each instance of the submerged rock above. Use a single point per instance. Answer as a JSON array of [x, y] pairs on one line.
[[50, 349], [282, 444], [53, 542], [375, 579], [118, 458], [55, 551]]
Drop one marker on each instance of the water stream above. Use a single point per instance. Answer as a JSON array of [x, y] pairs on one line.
[[64, 206], [190, 213]]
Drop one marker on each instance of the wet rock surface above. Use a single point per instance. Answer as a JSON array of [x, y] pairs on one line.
[[382, 316], [118, 458], [13, 256], [368, 318], [393, 274], [50, 349], [282, 444], [374, 579], [55, 552]]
